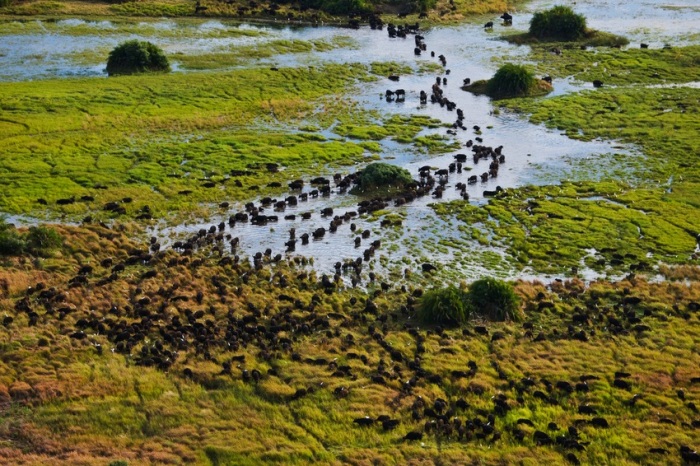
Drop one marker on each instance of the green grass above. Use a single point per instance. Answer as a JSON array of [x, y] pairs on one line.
[[631, 67], [591, 38], [134, 134]]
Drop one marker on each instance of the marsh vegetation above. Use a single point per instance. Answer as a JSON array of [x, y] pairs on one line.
[[186, 278]]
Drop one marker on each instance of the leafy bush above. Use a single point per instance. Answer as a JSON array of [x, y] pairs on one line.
[[494, 300], [11, 242], [383, 175], [444, 306], [511, 81], [41, 240], [135, 56], [559, 23], [5, 3]]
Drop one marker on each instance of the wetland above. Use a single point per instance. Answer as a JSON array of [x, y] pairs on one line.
[[187, 275]]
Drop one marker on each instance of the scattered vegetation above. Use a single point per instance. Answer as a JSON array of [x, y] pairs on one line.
[[134, 56]]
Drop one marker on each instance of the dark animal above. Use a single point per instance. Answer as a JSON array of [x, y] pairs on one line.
[[423, 97]]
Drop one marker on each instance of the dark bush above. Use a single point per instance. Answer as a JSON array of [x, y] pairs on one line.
[[560, 23], [38, 240], [11, 242], [41, 240], [444, 306], [511, 81], [380, 175], [5, 3], [136, 57], [494, 300]]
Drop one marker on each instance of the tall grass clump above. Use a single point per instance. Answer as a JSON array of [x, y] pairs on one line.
[[136, 56], [494, 300], [444, 306], [511, 81], [383, 176], [559, 22]]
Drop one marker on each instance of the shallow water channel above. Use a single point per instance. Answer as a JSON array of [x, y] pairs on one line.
[[534, 155]]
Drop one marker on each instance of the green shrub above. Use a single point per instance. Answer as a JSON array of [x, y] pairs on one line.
[[11, 242], [511, 81], [494, 300], [5, 3], [41, 240], [559, 23], [444, 306], [136, 57], [383, 175]]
